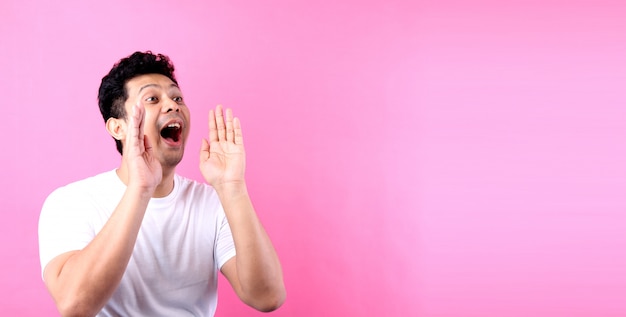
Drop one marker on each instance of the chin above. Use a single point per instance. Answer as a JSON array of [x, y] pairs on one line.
[[171, 159]]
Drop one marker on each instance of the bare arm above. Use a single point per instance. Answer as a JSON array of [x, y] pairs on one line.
[[255, 272], [81, 282]]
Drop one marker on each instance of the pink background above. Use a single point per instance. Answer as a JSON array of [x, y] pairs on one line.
[[408, 158]]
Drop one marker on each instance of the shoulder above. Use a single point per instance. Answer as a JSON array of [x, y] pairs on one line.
[[76, 190]]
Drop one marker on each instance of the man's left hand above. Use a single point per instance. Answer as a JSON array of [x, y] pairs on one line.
[[222, 157]]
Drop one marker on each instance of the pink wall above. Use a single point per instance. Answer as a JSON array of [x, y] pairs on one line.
[[457, 158]]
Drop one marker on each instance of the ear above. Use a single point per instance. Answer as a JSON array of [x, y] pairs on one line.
[[116, 128]]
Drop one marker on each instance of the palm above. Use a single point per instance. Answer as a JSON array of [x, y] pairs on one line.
[[222, 158], [144, 169]]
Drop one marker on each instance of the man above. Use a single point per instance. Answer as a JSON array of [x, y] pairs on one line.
[[141, 240]]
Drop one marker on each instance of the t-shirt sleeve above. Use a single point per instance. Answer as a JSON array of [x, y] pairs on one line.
[[63, 225], [225, 246]]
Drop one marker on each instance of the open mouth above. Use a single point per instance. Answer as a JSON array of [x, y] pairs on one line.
[[172, 132]]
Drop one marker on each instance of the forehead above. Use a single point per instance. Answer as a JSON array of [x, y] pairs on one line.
[[157, 81]]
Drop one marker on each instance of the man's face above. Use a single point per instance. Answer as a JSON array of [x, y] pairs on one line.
[[167, 117]]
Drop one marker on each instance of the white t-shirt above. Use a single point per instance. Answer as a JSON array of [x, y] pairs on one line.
[[183, 241]]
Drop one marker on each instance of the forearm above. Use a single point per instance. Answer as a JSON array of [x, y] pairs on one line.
[[258, 268], [82, 283]]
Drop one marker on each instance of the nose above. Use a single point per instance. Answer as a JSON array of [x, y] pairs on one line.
[[170, 105]]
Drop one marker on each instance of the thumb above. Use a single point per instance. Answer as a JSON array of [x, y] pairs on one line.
[[147, 145], [134, 135], [204, 150]]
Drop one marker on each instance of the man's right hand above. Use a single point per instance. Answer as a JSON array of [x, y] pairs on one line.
[[145, 171], [82, 281]]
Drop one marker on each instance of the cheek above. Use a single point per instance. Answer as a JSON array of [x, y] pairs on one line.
[[187, 115], [150, 126]]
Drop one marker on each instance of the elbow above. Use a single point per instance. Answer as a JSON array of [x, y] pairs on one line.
[[273, 303], [74, 308], [269, 301], [269, 304], [69, 311]]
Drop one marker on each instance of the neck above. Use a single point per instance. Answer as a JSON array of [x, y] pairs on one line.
[[167, 183]]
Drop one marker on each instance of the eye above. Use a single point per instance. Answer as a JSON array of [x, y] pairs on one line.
[[152, 99], [178, 99]]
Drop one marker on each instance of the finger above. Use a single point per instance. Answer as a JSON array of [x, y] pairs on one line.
[[219, 120], [238, 133], [212, 127], [230, 134]]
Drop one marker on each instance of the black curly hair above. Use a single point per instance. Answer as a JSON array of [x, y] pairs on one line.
[[112, 93]]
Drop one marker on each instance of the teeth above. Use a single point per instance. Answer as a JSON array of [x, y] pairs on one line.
[[174, 125]]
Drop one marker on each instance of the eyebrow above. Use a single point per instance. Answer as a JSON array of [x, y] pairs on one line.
[[155, 85]]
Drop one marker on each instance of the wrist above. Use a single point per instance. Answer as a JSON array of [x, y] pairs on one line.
[[231, 189], [140, 191]]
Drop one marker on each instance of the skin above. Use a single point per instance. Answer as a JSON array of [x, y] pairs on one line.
[[82, 281]]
